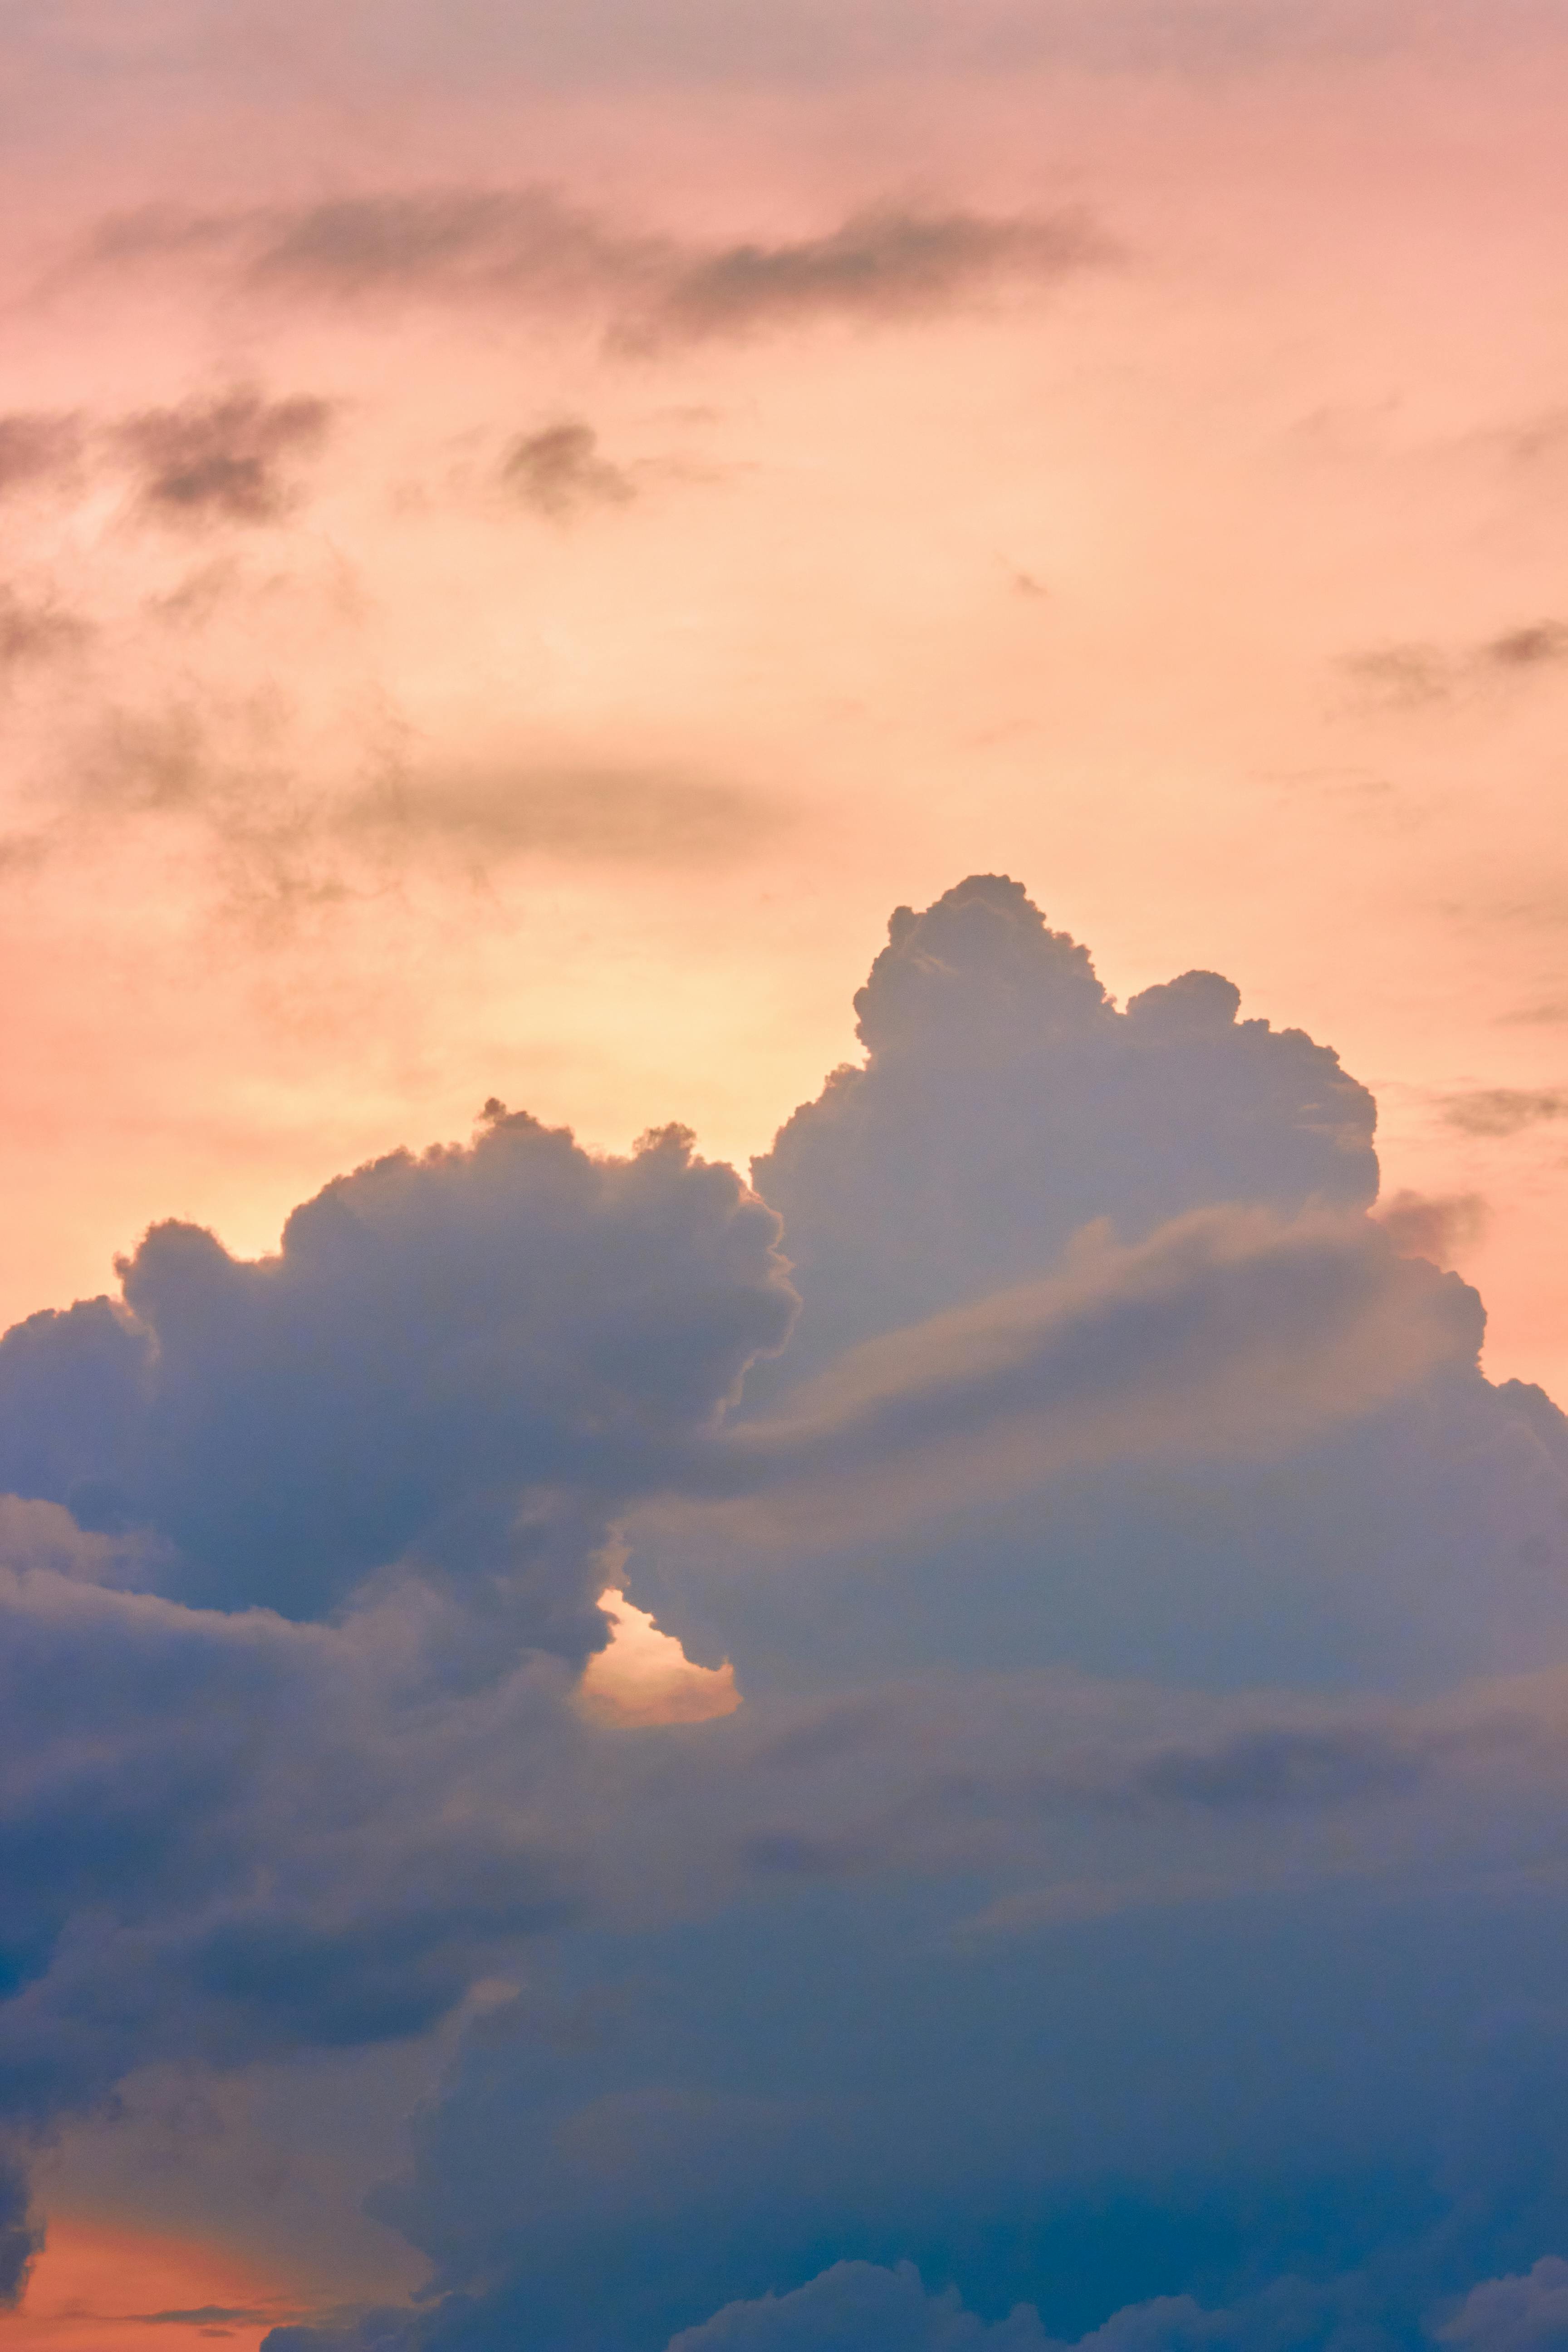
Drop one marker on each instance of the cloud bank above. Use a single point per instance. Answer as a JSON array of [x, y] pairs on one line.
[[1125, 1905]]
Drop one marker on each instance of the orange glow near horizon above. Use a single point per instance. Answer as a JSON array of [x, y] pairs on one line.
[[98, 2287]]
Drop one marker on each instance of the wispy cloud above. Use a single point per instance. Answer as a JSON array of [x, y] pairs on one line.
[[222, 459], [559, 471], [533, 249], [1505, 1110]]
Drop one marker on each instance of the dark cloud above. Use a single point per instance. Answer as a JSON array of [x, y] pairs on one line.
[[533, 249], [467, 1361], [1282, 1767], [1121, 1357], [1150, 1780], [225, 459], [559, 471], [1504, 1110], [207, 2314], [21, 2234], [857, 2304], [37, 446], [1533, 646]]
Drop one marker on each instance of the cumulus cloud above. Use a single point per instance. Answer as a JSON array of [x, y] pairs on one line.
[[1150, 1634], [1004, 1107], [1134, 1117], [1225, 1332], [470, 1360]]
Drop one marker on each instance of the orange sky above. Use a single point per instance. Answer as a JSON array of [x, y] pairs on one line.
[[96, 2288], [1168, 589]]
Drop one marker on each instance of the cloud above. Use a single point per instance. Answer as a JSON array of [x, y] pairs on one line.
[[533, 250], [883, 263], [928, 1177], [529, 244], [285, 826], [1504, 1110], [222, 459], [466, 1362], [860, 2306], [559, 471], [36, 447], [1514, 2314], [636, 815], [1433, 1227], [1150, 1744], [33, 631], [21, 2234], [1533, 646], [1415, 673], [1225, 1332]]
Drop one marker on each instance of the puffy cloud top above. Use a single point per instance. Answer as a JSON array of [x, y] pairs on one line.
[[1006, 1103], [438, 1340]]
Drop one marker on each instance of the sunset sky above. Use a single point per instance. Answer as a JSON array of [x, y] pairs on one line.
[[532, 528]]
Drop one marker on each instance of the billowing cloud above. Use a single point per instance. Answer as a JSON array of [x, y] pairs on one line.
[[528, 1334], [1132, 1116], [1150, 1637], [1224, 1333]]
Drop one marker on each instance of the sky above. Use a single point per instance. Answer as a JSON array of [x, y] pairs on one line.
[[781, 1514]]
